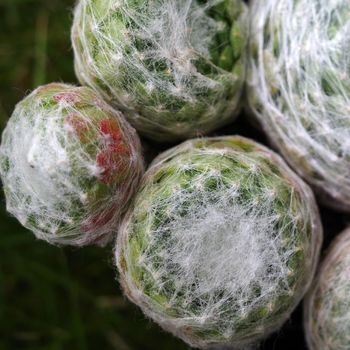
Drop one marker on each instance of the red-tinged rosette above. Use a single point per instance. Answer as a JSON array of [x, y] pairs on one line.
[[69, 165]]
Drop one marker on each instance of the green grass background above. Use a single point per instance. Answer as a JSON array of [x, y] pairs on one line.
[[55, 298]]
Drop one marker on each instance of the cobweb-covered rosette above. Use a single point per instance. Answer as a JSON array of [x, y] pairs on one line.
[[299, 88], [69, 164], [327, 306], [173, 67], [220, 243]]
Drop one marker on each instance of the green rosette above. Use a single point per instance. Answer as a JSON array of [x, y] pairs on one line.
[[327, 306], [173, 67], [298, 87], [221, 242], [69, 164]]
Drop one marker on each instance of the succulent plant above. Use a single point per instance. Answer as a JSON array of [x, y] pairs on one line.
[[299, 88], [69, 164], [173, 67], [327, 306], [220, 243]]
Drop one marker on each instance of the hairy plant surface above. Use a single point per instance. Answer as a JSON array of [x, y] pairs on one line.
[[69, 164], [299, 88], [327, 306], [221, 242], [173, 67]]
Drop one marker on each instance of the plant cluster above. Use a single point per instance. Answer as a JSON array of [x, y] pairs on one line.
[[69, 164], [219, 240], [299, 88], [173, 67], [220, 243], [327, 306]]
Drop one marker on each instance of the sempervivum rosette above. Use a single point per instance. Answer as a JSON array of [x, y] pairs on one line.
[[69, 164], [220, 243], [173, 67], [327, 306], [299, 88]]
